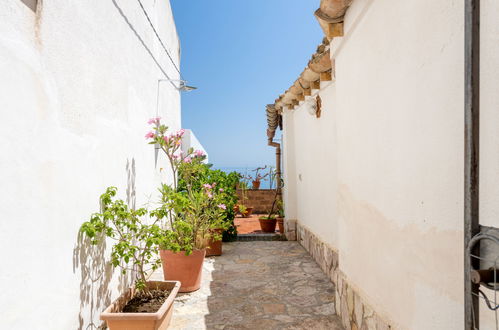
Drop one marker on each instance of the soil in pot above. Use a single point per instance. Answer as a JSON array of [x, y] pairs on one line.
[[146, 302], [267, 225], [151, 314]]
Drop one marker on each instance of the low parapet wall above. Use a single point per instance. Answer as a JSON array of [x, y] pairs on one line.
[[260, 199]]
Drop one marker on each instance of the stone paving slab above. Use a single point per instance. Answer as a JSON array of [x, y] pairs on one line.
[[259, 285]]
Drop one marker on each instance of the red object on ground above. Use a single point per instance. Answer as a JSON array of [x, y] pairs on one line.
[[249, 225]]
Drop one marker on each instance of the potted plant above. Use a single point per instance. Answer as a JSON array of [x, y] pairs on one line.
[[149, 304], [267, 223], [280, 216], [225, 185], [258, 177], [189, 215], [241, 207]]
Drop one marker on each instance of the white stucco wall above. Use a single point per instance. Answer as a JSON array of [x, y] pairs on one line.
[[189, 140], [310, 167], [77, 87], [382, 169]]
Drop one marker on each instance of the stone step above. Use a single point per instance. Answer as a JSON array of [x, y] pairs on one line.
[[260, 237]]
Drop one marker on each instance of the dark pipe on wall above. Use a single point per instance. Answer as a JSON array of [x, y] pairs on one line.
[[471, 153]]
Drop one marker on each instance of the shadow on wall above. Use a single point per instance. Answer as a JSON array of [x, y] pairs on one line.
[[96, 271], [139, 38]]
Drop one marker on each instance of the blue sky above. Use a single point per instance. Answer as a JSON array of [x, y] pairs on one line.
[[241, 55]]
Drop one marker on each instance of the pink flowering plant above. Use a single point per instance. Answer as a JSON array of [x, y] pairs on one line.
[[189, 214]]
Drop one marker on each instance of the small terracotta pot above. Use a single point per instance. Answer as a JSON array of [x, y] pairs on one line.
[[160, 320], [256, 184], [247, 214], [214, 248], [280, 224], [186, 269], [267, 225]]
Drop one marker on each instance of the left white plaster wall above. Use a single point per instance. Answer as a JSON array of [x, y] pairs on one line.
[[78, 81]]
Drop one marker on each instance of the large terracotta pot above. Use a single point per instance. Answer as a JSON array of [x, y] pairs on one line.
[[144, 321], [280, 224], [186, 269], [214, 248], [256, 184], [267, 225], [247, 214]]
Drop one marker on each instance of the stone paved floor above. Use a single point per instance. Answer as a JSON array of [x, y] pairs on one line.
[[259, 285]]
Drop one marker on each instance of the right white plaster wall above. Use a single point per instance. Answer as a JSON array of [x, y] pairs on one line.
[[385, 185], [400, 159]]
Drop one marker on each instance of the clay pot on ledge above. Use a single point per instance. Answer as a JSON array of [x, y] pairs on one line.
[[256, 184], [280, 224], [117, 320], [267, 225], [214, 248], [186, 269], [247, 213]]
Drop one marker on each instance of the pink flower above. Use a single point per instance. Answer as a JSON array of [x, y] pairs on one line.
[[154, 120], [187, 159], [181, 132], [221, 189], [199, 153], [210, 195], [207, 186], [222, 206], [166, 139], [150, 135]]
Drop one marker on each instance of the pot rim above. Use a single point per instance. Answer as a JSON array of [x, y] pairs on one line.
[[108, 315], [182, 251]]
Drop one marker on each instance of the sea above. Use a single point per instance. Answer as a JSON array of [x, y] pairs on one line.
[[250, 171]]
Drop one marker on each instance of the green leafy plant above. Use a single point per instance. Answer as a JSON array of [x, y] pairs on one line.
[[280, 208], [136, 241], [226, 192], [190, 210]]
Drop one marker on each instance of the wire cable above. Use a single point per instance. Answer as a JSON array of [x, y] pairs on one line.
[[160, 41]]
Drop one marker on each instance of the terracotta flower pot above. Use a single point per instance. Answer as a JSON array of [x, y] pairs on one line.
[[280, 224], [256, 184], [214, 248], [186, 269], [116, 320], [247, 214], [267, 225]]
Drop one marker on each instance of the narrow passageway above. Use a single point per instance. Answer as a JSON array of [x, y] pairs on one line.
[[259, 285]]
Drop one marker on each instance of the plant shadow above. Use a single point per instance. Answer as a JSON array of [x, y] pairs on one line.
[[96, 270]]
